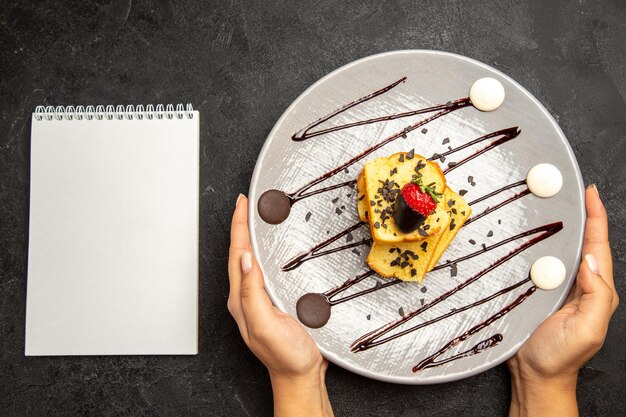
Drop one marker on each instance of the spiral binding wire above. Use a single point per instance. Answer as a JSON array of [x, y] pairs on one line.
[[100, 112]]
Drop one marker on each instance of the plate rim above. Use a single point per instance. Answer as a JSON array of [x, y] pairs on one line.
[[443, 378]]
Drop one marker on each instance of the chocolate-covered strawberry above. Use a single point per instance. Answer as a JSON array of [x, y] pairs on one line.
[[413, 205]]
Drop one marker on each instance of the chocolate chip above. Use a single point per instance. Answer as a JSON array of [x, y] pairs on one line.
[[421, 301], [424, 245], [451, 203], [411, 154], [449, 148], [369, 316], [308, 216], [346, 171], [462, 192], [453, 211], [499, 221], [442, 159], [423, 289], [343, 207], [349, 195], [453, 270], [470, 178], [377, 225], [362, 197], [349, 237], [401, 311], [463, 212], [401, 159], [338, 211], [422, 232], [452, 224], [484, 246], [490, 233], [424, 130], [413, 272], [335, 200], [473, 184], [446, 140], [435, 156], [356, 252], [451, 164], [404, 264], [372, 203], [472, 241]]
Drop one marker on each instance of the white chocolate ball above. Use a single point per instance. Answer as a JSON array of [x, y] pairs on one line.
[[544, 180], [547, 273], [487, 94]]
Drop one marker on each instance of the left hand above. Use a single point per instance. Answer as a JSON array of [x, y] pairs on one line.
[[296, 366]]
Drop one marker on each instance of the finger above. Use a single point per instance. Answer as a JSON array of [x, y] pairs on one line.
[[239, 243], [256, 304], [597, 233], [596, 301]]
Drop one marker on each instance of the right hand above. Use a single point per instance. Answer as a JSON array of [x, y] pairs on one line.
[[550, 359]]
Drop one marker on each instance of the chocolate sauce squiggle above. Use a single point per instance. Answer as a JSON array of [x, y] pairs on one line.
[[294, 199], [333, 291], [451, 313], [497, 206], [507, 135], [436, 268], [303, 133], [498, 191], [455, 105], [313, 252], [430, 361], [477, 348], [363, 343]]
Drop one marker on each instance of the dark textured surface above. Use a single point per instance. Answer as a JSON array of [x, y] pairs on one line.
[[241, 64]]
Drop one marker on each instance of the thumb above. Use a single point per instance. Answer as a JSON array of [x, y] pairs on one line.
[[255, 303], [597, 297]]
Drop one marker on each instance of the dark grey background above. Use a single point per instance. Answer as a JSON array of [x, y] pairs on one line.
[[241, 64]]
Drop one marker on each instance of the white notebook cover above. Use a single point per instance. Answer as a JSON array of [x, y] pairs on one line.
[[113, 245]]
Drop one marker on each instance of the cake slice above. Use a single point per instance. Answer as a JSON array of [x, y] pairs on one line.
[[361, 199], [383, 180], [408, 261]]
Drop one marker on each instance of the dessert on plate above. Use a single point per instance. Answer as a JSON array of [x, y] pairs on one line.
[[412, 213]]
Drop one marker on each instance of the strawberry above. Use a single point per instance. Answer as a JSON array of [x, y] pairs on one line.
[[413, 205], [418, 199]]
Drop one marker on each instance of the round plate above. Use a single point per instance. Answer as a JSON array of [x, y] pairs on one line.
[[431, 78]]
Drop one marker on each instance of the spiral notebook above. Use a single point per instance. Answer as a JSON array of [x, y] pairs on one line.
[[113, 240]]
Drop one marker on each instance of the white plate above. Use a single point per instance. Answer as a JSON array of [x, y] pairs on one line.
[[431, 78]]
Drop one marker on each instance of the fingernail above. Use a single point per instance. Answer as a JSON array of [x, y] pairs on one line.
[[593, 186], [238, 200], [246, 262], [591, 263]]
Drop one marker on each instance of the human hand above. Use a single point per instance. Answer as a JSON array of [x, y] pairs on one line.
[[296, 367], [545, 370]]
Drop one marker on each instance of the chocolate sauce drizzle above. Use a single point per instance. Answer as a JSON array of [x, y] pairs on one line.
[[367, 341], [507, 135], [315, 252], [447, 108], [333, 292], [430, 361], [478, 348], [304, 134]]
